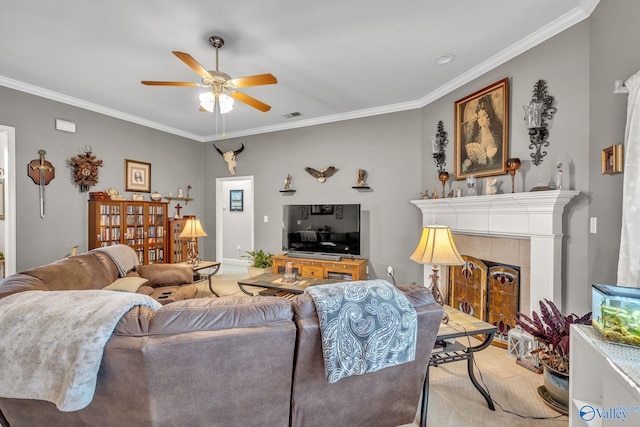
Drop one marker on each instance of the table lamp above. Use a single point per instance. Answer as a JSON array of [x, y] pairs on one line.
[[192, 230], [436, 247]]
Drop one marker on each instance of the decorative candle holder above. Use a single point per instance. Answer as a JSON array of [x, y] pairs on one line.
[[537, 112], [443, 177], [512, 166], [289, 275], [439, 143]]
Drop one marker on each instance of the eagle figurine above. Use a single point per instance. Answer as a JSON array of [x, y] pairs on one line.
[[322, 174]]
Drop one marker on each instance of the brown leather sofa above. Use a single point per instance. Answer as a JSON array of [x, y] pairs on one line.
[[229, 361]]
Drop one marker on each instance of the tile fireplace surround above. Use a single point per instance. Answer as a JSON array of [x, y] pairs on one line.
[[534, 216]]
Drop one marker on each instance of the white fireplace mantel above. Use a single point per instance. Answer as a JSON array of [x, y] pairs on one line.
[[535, 215]]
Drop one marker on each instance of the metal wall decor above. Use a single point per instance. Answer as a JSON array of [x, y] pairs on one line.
[[440, 142], [537, 112]]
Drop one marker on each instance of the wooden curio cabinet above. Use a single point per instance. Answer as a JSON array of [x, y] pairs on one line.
[[176, 246], [141, 225]]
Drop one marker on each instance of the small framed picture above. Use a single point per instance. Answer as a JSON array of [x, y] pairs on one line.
[[305, 212], [612, 159], [236, 200], [137, 176]]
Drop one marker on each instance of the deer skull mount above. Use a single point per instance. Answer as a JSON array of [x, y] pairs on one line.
[[230, 157]]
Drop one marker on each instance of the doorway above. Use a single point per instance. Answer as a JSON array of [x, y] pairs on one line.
[[8, 197], [234, 219]]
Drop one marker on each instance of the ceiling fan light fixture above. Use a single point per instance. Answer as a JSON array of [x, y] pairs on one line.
[[207, 101]]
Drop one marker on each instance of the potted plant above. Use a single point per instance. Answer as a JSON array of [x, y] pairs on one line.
[[551, 330], [261, 262]]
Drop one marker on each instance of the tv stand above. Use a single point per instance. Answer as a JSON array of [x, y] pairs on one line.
[[317, 266], [315, 255]]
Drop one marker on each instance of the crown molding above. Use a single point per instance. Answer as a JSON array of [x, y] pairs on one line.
[[578, 14], [69, 100]]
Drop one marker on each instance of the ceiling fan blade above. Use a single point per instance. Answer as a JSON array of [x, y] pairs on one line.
[[154, 83], [250, 101], [257, 80], [195, 65]]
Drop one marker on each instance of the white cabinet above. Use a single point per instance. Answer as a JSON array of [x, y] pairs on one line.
[[604, 385]]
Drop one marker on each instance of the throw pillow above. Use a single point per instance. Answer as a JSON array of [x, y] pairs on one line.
[[166, 274], [126, 284]]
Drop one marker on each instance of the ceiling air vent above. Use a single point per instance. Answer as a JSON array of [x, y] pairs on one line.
[[291, 115]]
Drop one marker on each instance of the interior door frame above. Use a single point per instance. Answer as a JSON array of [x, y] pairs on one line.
[[8, 145], [221, 206]]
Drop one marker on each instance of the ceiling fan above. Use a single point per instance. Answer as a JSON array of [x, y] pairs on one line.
[[223, 87]]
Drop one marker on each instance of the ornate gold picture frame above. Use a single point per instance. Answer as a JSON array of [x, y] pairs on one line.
[[612, 159], [481, 132]]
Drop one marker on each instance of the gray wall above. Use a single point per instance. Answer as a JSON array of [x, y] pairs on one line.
[[175, 162], [385, 146], [562, 62], [614, 46], [580, 66]]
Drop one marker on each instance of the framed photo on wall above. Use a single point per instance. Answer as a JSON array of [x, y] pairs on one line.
[[236, 200], [481, 132], [137, 176], [612, 159]]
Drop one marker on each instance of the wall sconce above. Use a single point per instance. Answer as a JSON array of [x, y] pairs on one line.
[[440, 142], [536, 114]]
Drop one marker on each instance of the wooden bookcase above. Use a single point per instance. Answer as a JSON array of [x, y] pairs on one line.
[[141, 225], [348, 269]]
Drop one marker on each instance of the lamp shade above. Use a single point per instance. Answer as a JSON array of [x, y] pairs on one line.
[[192, 228], [436, 247]]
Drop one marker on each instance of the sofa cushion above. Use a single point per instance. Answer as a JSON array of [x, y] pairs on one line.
[[20, 283], [166, 274], [126, 284], [76, 272], [210, 314]]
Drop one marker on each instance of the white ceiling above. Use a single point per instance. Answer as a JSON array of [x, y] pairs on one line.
[[333, 59]]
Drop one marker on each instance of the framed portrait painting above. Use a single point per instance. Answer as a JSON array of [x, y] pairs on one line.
[[236, 200], [137, 176], [482, 131]]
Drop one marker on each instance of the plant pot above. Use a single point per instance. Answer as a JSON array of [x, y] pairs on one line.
[[557, 386], [256, 271]]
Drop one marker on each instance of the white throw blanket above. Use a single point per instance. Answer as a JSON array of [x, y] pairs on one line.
[[51, 342], [365, 326], [123, 256]]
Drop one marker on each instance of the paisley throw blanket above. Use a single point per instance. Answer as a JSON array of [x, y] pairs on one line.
[[365, 326], [51, 342]]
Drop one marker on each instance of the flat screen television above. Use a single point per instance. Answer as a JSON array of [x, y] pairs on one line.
[[321, 229]]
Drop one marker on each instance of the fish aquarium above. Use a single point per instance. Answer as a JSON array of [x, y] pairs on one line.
[[616, 313]]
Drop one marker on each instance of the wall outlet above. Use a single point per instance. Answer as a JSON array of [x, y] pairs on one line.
[[593, 225], [390, 271]]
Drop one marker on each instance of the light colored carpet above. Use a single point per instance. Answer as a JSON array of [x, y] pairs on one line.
[[453, 400]]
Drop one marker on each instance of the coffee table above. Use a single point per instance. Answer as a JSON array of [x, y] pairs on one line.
[[275, 281]]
